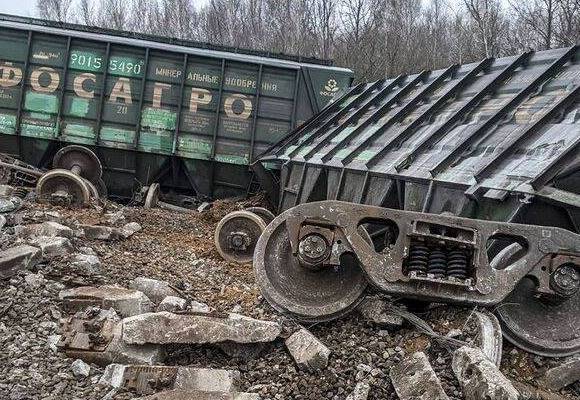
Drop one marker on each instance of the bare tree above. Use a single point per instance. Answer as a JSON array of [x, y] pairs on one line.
[[489, 24], [57, 10], [540, 18]]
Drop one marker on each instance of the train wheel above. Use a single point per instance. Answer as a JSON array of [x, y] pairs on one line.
[[266, 215], [237, 234], [306, 293], [62, 187], [79, 160]]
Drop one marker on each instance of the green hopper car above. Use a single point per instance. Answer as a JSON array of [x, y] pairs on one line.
[[189, 115]]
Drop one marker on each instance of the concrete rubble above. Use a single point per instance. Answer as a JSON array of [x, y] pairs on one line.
[[360, 392], [309, 353], [376, 311], [130, 229], [198, 395], [479, 377], [18, 258], [562, 375], [164, 328], [414, 379], [53, 246], [172, 304], [2, 221], [96, 336], [154, 289], [486, 332], [98, 232], [145, 379], [48, 229], [80, 368], [86, 264], [127, 302]]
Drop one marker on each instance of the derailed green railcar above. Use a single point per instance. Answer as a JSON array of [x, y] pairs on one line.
[[192, 116]]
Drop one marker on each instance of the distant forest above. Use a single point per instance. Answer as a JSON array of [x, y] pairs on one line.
[[376, 38]]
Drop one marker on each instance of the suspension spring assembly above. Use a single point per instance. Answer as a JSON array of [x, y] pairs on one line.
[[418, 259], [437, 262], [457, 264]]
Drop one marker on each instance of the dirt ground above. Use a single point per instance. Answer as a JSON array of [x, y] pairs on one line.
[[178, 248]]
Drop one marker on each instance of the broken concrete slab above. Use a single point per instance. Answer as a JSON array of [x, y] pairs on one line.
[[485, 332], [80, 369], [309, 353], [2, 221], [377, 311], [49, 228], [172, 304], [18, 258], [197, 307], [164, 328], [86, 264], [361, 392], [145, 379], [130, 229], [414, 378], [155, 289], [127, 302], [199, 395], [479, 377], [562, 375], [95, 336], [98, 232], [53, 246]]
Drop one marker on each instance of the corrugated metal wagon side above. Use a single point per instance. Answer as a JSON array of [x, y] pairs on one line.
[[152, 109]]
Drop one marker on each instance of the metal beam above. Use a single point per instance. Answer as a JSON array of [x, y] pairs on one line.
[[141, 101], [18, 124], [470, 139], [255, 116], [103, 95], [179, 104], [410, 129], [63, 92], [335, 118], [362, 109], [314, 119], [516, 100], [386, 108], [525, 133]]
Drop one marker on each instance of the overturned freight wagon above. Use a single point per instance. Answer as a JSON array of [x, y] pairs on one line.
[[191, 116], [459, 185]]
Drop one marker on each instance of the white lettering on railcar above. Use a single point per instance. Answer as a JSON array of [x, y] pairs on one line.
[[52, 83], [121, 91]]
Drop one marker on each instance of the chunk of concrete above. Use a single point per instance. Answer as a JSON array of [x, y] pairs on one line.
[[197, 307], [172, 304], [2, 221], [361, 392], [376, 311], [164, 328], [98, 232], [145, 379], [154, 289], [6, 190], [53, 246], [130, 229], [80, 369], [34, 280], [127, 302], [95, 336], [86, 264], [199, 395], [49, 228], [18, 258], [9, 204], [414, 378], [479, 377], [485, 332], [309, 353], [562, 375]]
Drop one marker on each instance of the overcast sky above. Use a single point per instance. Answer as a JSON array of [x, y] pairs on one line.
[[19, 7]]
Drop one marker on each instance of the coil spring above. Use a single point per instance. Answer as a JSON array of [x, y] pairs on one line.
[[20, 192], [457, 264], [437, 263], [418, 259]]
